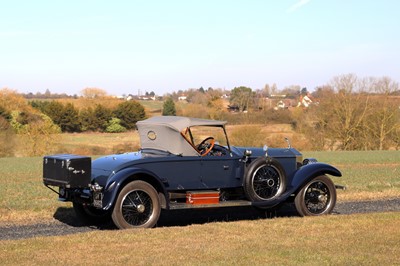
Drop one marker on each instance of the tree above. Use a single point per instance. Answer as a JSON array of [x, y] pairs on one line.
[[383, 120], [69, 119], [130, 112], [169, 107], [93, 93], [54, 110], [241, 97], [7, 138], [342, 116], [40, 137], [350, 117], [4, 113], [88, 119]]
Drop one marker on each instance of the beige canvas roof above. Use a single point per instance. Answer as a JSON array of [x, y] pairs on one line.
[[164, 133]]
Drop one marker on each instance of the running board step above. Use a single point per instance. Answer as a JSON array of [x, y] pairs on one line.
[[232, 203]]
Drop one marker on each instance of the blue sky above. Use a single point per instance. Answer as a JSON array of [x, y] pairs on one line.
[[164, 46]]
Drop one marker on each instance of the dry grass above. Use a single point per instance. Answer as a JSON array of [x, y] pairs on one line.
[[99, 143], [331, 240]]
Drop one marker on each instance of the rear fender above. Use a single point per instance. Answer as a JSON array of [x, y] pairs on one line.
[[117, 181], [309, 171]]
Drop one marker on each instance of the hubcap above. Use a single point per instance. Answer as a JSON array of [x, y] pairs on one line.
[[317, 197], [322, 198], [140, 208], [271, 182]]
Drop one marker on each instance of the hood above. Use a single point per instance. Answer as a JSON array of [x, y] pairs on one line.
[[273, 152]]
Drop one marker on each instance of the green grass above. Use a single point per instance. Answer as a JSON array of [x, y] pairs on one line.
[[23, 196], [366, 174], [356, 157]]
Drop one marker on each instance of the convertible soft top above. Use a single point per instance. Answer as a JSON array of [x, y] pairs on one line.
[[164, 133]]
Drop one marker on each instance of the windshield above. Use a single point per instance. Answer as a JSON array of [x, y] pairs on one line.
[[195, 135]]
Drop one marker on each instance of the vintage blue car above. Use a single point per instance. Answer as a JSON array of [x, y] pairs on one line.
[[188, 163]]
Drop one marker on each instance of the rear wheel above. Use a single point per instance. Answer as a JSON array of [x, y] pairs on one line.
[[137, 206], [90, 215], [317, 197]]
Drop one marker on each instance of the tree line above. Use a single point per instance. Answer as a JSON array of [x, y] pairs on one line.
[[350, 113], [96, 119]]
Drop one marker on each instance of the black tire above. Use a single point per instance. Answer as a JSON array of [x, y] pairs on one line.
[[317, 197], [265, 180], [89, 215], [137, 206]]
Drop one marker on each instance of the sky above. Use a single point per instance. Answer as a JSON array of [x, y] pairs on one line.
[[135, 46]]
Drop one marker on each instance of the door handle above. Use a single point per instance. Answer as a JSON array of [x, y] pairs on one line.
[[226, 167]]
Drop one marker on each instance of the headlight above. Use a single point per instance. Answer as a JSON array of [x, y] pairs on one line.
[[309, 161]]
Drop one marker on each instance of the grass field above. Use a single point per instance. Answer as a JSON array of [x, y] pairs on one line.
[[370, 239], [352, 240]]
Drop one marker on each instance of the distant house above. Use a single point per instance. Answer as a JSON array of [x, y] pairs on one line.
[[129, 97], [182, 98]]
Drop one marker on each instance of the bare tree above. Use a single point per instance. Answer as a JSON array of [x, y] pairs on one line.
[[92, 93], [383, 121], [341, 115]]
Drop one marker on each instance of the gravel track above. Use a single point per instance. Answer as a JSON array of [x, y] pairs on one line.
[[61, 226]]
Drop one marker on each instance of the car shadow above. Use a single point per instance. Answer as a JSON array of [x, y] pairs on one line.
[[66, 215], [187, 217]]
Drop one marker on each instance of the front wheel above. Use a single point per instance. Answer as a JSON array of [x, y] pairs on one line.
[[317, 197], [137, 206]]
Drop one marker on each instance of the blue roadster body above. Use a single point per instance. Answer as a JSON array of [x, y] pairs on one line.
[[188, 163]]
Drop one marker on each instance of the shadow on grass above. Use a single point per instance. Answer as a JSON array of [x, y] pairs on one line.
[[185, 217], [67, 215]]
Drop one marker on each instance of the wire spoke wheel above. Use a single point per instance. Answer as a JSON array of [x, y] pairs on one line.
[[317, 197], [264, 180], [137, 206]]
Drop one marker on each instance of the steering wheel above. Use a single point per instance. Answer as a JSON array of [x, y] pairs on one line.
[[206, 146]]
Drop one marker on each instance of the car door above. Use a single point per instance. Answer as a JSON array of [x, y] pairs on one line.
[[180, 173], [221, 171]]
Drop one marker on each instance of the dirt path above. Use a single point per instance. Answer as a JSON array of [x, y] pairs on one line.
[[187, 217]]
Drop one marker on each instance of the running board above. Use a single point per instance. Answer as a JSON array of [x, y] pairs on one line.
[[232, 203]]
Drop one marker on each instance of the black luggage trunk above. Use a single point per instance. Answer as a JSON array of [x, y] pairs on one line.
[[67, 170]]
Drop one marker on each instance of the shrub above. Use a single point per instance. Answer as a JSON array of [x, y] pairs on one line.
[[169, 107], [130, 112], [114, 126]]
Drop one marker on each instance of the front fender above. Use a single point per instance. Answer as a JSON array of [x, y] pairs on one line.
[[303, 175], [309, 171], [114, 184]]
